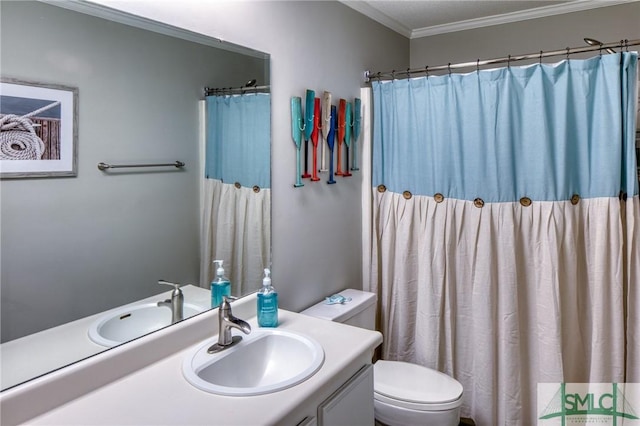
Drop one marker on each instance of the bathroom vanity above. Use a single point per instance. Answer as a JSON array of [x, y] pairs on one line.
[[143, 383]]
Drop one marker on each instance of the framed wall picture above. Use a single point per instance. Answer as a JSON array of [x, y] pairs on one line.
[[38, 129]]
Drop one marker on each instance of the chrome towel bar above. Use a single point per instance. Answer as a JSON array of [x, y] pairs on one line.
[[105, 166]]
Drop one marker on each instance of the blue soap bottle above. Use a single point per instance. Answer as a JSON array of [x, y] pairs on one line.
[[267, 303], [220, 286]]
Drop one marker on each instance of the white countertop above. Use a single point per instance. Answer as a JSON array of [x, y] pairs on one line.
[[36, 354], [159, 394]]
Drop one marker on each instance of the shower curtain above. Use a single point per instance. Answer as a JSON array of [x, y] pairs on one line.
[[236, 207], [505, 229]]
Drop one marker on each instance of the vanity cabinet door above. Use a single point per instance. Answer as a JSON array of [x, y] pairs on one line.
[[351, 404]]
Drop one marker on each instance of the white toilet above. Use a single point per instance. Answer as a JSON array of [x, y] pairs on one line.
[[404, 394]]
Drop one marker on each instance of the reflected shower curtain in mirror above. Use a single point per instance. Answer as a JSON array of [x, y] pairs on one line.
[[502, 250], [237, 196]]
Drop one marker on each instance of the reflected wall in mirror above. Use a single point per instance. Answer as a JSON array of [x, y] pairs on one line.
[[75, 250]]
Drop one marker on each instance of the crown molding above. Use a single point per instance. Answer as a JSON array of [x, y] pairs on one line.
[[364, 8], [540, 12], [105, 12]]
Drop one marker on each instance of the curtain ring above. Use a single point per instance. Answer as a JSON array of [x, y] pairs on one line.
[[408, 72], [568, 49], [426, 70], [393, 74], [509, 61], [449, 68], [478, 65], [626, 45], [378, 76], [540, 58]]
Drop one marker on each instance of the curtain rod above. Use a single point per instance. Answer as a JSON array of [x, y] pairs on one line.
[[511, 58], [209, 91]]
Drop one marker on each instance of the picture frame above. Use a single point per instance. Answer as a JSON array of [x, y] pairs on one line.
[[38, 129]]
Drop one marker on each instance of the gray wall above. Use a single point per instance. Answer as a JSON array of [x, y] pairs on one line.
[[76, 246], [607, 24], [327, 46], [313, 45]]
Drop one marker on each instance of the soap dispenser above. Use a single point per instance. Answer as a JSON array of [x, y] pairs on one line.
[[220, 286], [267, 303]]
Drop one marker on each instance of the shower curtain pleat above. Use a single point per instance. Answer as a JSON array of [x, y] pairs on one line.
[[236, 229], [537, 282]]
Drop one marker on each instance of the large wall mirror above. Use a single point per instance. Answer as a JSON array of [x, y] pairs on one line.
[[87, 251]]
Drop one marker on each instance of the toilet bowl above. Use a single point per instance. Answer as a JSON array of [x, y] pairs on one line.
[[405, 394]]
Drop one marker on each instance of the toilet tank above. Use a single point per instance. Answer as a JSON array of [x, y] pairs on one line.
[[359, 312]]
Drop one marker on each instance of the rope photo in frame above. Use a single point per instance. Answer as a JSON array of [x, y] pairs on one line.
[[38, 129]]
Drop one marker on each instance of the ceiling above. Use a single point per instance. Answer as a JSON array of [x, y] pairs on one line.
[[415, 19]]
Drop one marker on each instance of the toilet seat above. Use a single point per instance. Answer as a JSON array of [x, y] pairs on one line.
[[415, 387]]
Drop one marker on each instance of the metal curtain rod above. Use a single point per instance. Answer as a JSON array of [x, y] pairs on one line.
[[209, 91], [105, 166], [511, 58]]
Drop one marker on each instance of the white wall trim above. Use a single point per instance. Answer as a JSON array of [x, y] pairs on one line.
[[376, 15], [366, 176], [487, 21], [540, 12], [105, 12]]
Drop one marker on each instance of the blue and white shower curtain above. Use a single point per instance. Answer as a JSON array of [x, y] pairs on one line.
[[505, 246], [236, 217]]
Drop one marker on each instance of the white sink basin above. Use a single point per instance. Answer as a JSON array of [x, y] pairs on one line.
[[121, 325], [265, 361]]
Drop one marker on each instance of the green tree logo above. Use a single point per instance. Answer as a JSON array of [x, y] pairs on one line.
[[605, 404]]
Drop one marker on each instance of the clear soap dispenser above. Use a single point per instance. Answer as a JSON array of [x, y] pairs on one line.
[[220, 286], [267, 303]]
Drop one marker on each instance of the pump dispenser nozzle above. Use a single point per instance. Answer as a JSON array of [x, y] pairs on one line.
[[219, 268]]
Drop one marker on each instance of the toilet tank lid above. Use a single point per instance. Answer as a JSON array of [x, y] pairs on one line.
[[360, 300], [414, 383]]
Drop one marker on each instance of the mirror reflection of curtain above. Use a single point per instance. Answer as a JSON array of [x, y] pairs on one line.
[[236, 219], [511, 260]]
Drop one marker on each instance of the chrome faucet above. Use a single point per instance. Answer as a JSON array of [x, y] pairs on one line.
[[226, 321], [176, 303]]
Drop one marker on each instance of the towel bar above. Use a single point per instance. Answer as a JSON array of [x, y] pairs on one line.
[[105, 166]]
